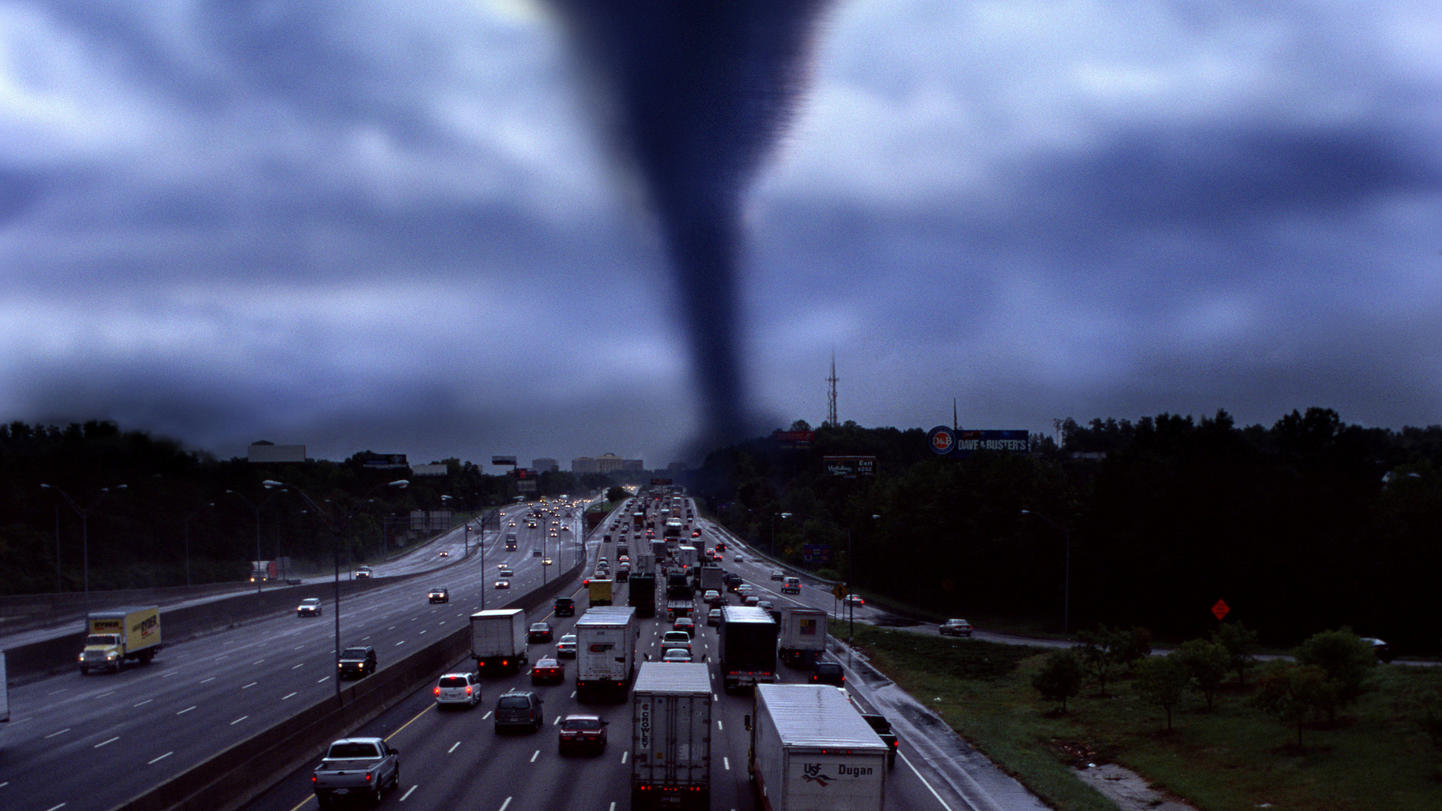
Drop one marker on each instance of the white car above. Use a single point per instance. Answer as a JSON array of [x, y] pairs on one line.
[[458, 689], [675, 639], [566, 648], [676, 655], [309, 607]]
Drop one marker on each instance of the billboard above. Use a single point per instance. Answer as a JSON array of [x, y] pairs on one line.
[[945, 441], [850, 466]]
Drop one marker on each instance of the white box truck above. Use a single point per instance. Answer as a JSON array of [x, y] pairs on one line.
[[802, 638], [671, 736], [498, 639], [605, 651], [812, 751]]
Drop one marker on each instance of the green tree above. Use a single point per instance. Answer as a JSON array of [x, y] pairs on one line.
[[1162, 680], [1107, 652], [1207, 664], [1060, 677], [1292, 693], [1240, 642], [616, 493], [1344, 658]]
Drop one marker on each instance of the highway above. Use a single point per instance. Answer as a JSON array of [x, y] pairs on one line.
[[455, 758], [94, 742]]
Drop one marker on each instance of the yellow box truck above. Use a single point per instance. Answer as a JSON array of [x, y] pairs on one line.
[[598, 591], [118, 634]]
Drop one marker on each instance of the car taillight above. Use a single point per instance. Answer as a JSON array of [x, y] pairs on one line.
[[438, 691], [368, 778], [469, 688]]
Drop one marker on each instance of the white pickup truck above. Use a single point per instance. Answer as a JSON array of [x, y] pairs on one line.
[[356, 767]]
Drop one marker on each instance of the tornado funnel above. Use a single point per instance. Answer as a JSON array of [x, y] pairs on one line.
[[694, 93]]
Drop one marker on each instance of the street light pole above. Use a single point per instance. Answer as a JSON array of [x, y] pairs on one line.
[[255, 508], [84, 528], [1066, 571], [774, 516], [187, 521]]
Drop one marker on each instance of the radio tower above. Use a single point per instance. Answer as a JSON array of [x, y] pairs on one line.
[[831, 394]]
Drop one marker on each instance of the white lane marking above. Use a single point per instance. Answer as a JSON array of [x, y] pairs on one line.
[[298, 647], [487, 715], [248, 686], [257, 662], [106, 693], [238, 720], [142, 703], [55, 807], [391, 628], [61, 732], [535, 755], [63, 689], [402, 642], [186, 710], [726, 761], [162, 757], [573, 694], [106, 743], [203, 681], [924, 782], [298, 667], [408, 791], [322, 680], [719, 726], [453, 747], [625, 755], [287, 695], [422, 633], [171, 673], [502, 808]]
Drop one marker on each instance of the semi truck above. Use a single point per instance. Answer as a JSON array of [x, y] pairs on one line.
[[748, 646], [264, 571], [641, 593], [498, 639], [510, 540], [802, 635], [117, 635], [605, 651], [671, 736], [600, 591], [812, 751]]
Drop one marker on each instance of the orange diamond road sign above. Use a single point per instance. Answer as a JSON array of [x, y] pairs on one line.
[[840, 591], [1220, 609]]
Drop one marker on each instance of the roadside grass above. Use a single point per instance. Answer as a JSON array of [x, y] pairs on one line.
[[1375, 756]]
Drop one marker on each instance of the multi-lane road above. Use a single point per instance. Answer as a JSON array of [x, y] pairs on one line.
[[93, 742]]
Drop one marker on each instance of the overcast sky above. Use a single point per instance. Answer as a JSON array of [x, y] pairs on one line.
[[394, 226]]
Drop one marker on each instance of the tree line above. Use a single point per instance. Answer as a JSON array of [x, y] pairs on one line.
[[158, 514], [1308, 524]]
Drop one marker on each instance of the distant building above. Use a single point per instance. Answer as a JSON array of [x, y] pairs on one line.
[[545, 465], [605, 463], [268, 453], [430, 470], [383, 461]]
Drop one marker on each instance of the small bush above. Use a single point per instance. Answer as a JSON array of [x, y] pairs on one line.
[[1060, 677]]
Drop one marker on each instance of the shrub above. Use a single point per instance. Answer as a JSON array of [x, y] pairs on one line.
[[1240, 643], [1060, 677], [1207, 663], [1345, 660], [1293, 693]]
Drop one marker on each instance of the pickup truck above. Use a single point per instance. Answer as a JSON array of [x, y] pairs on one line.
[[882, 726], [356, 767]]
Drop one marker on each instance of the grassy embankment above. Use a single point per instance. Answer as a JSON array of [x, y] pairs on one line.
[[1234, 757]]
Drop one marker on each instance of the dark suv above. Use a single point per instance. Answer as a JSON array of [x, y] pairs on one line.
[[829, 672], [519, 708], [565, 607], [883, 730], [356, 662]]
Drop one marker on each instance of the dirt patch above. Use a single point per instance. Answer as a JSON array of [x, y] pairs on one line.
[[1129, 790]]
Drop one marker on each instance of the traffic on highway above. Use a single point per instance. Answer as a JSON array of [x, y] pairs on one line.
[[556, 727]]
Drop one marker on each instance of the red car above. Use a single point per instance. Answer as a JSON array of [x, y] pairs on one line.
[[582, 732], [548, 671]]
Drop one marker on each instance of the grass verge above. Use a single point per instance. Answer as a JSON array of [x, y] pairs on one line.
[[1376, 756]]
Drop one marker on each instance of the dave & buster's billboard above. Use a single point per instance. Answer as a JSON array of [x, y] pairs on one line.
[[945, 441]]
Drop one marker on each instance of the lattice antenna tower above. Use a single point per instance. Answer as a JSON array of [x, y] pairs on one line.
[[831, 394]]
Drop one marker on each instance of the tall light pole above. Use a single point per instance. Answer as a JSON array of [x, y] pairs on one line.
[[335, 528], [187, 521], [1066, 572], [255, 508], [84, 526]]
